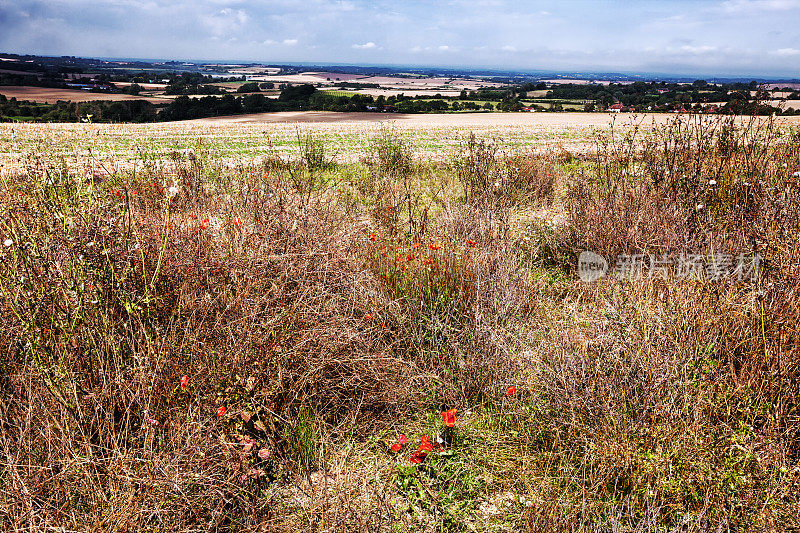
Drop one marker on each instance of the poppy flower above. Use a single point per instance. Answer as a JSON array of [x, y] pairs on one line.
[[384, 254], [237, 222], [410, 257], [402, 439], [433, 247], [396, 447], [153, 422], [221, 411], [471, 243], [429, 261], [193, 216], [449, 417], [368, 317], [398, 257], [511, 390], [184, 382], [425, 446], [417, 244]]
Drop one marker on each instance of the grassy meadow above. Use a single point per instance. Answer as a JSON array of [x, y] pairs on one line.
[[268, 327]]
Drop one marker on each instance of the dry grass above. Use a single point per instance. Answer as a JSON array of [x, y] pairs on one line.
[[330, 307]]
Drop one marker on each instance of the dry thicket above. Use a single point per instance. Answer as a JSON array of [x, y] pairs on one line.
[[317, 309]]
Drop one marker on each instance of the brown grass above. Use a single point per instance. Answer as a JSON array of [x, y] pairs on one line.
[[331, 307]]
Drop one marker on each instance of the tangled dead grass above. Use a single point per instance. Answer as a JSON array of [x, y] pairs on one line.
[[319, 309]]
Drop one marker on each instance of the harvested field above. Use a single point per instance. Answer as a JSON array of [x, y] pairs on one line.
[[51, 96]]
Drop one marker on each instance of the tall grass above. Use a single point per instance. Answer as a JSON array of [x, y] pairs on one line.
[[318, 310]]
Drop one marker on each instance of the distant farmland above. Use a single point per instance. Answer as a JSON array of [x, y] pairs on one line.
[[51, 96]]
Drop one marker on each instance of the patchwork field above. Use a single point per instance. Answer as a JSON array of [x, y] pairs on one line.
[[324, 322], [51, 96]]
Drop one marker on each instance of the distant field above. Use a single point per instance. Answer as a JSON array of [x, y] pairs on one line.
[[51, 96], [436, 136]]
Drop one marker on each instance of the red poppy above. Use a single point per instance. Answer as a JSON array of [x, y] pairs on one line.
[[193, 216], [396, 447], [153, 422], [434, 247], [511, 390], [429, 261], [384, 254], [425, 445], [184, 382], [417, 244], [449, 417], [237, 222], [398, 257], [368, 317], [402, 439], [221, 410], [410, 257], [46, 331], [471, 243]]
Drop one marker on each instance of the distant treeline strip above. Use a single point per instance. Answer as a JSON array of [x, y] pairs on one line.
[[639, 97]]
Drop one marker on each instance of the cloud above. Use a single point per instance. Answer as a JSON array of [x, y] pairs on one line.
[[290, 42], [739, 6], [366, 46], [508, 48], [698, 49], [787, 52]]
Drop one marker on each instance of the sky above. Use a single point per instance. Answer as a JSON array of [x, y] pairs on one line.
[[681, 37]]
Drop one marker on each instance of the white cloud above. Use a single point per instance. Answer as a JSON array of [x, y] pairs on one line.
[[698, 49], [290, 42], [509, 48], [738, 6], [787, 52], [366, 46]]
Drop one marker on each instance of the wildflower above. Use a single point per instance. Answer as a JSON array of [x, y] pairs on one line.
[[184, 382], [402, 439], [221, 411], [471, 243], [398, 257], [511, 390], [433, 247], [367, 317], [118, 194], [712, 182], [263, 454], [7, 243], [796, 174], [429, 261], [425, 447], [417, 244], [410, 257], [449, 417], [396, 447], [384, 254], [172, 191], [192, 216], [699, 207], [237, 222], [46, 331], [152, 422]]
